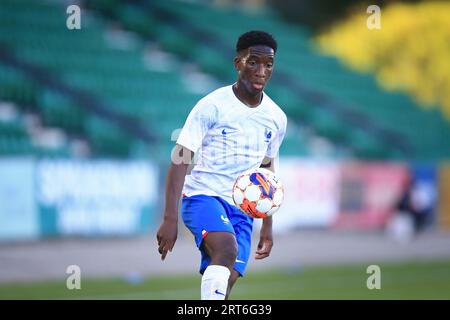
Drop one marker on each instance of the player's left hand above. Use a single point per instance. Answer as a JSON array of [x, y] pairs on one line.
[[265, 242]]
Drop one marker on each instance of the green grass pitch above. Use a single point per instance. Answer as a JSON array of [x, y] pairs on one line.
[[406, 280]]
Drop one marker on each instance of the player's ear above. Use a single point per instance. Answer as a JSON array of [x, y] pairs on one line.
[[236, 62]]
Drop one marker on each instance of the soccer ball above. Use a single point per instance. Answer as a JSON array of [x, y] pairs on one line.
[[258, 193]]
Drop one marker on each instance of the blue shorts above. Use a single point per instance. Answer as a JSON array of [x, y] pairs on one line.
[[203, 214]]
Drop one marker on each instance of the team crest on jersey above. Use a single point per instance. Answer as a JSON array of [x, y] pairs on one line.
[[268, 135]]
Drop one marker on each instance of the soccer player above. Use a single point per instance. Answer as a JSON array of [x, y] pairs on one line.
[[233, 129]]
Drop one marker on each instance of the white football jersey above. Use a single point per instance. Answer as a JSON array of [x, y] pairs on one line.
[[228, 138]]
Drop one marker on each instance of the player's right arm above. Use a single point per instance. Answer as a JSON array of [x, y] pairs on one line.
[[168, 231], [197, 124]]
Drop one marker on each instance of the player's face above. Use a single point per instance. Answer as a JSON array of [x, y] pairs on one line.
[[255, 67]]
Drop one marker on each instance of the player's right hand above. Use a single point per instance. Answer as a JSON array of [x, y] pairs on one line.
[[166, 237]]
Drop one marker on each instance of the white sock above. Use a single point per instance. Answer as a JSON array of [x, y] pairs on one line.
[[215, 282]]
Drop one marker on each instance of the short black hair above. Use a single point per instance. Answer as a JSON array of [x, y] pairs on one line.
[[254, 38]]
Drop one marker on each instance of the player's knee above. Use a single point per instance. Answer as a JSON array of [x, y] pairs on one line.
[[231, 254]]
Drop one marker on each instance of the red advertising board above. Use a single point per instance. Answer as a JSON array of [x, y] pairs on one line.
[[369, 193]]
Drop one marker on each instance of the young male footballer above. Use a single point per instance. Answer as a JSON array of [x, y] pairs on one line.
[[232, 129]]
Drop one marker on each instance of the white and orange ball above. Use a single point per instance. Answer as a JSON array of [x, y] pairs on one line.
[[258, 193]]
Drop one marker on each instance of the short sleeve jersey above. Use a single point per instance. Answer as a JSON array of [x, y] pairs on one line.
[[228, 138]]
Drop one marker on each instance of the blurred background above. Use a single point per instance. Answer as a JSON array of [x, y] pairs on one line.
[[91, 101]]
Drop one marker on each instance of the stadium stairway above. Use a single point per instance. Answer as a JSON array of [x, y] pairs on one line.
[[93, 83]]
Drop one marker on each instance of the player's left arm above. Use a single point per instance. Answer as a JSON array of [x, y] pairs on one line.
[[265, 235]]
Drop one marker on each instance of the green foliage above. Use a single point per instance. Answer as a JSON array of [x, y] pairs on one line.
[[409, 53]]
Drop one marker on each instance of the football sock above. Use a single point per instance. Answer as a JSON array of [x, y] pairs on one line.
[[215, 283]]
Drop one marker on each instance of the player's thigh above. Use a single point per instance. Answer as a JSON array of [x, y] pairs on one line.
[[221, 244]]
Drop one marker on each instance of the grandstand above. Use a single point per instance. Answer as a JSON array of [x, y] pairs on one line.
[[107, 91]]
